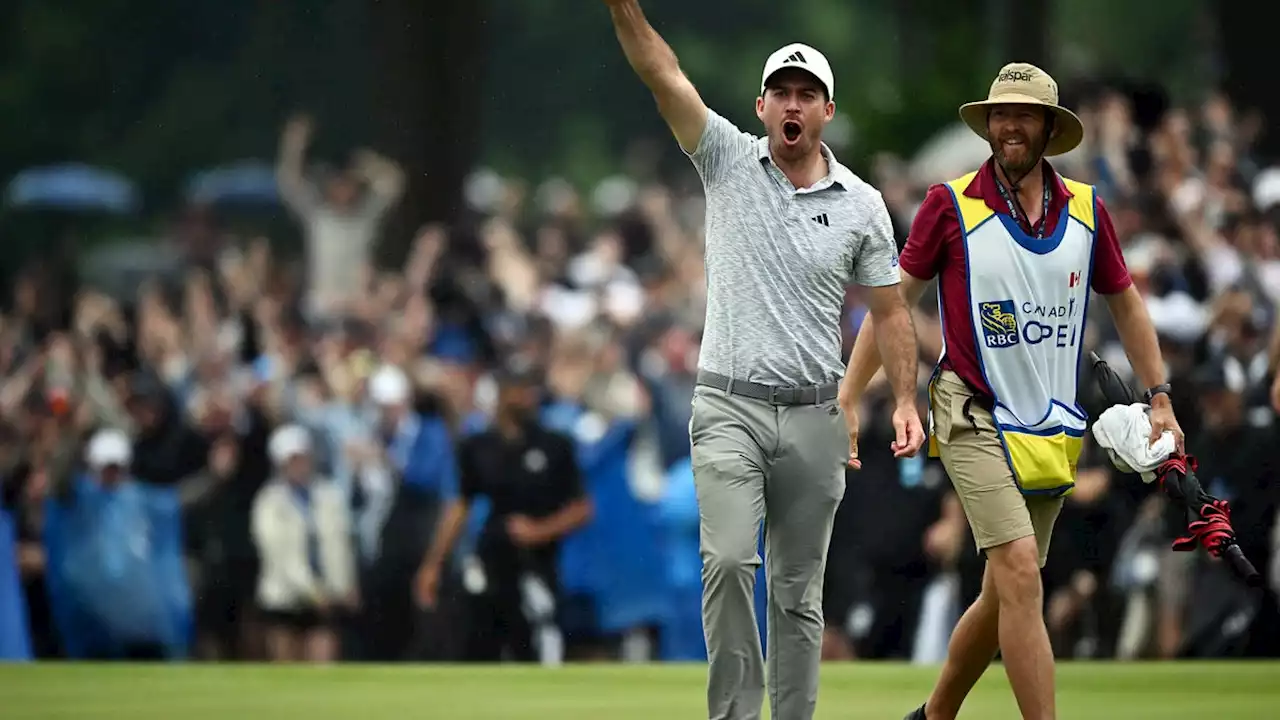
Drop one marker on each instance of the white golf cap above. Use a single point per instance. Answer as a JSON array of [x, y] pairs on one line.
[[288, 441], [108, 447], [389, 386], [804, 57]]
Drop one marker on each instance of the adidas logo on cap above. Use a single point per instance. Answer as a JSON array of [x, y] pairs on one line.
[[803, 57]]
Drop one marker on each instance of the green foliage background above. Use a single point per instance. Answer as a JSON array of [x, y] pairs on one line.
[[159, 89]]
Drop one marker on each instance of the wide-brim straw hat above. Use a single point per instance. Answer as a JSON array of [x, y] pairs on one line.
[[1024, 84]]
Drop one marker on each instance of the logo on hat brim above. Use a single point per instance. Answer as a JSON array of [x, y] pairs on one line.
[[1020, 84]]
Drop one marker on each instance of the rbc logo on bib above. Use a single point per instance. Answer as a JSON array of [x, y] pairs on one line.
[[999, 323]]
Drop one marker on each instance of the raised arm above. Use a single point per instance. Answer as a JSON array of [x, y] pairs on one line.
[[385, 177], [295, 191], [654, 61], [1112, 281]]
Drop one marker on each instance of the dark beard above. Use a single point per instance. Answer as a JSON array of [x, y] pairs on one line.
[[1016, 171]]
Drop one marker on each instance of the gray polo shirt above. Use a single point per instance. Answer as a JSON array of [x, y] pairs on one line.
[[778, 260]]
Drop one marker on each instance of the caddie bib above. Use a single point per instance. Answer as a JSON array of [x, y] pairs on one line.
[[1028, 299]]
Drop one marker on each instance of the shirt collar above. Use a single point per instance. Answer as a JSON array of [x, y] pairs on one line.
[[837, 174], [983, 187]]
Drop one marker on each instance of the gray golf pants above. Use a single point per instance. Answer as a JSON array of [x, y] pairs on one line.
[[755, 461]]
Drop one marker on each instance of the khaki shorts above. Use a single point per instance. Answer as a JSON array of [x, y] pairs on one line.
[[974, 458]]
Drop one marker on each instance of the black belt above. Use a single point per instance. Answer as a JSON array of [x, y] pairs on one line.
[[803, 395]]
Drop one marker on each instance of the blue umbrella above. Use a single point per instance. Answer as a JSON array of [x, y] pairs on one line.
[[72, 186], [249, 182], [118, 268]]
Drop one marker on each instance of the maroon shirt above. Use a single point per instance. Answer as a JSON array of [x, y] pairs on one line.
[[935, 248]]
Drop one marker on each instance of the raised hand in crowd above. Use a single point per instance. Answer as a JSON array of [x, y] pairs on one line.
[[385, 177], [298, 130], [429, 246]]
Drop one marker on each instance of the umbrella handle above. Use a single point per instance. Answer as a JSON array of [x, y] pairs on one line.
[[1241, 566]]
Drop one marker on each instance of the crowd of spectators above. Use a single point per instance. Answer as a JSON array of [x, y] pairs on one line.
[[311, 457]]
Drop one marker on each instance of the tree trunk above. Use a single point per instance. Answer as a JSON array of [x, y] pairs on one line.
[[428, 76], [1247, 76], [1029, 32]]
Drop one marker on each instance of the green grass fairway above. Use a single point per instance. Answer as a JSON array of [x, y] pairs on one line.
[[1102, 691]]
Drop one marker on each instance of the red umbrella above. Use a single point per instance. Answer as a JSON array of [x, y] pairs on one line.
[[1208, 518]]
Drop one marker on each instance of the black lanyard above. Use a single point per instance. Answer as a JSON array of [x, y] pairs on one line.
[[1016, 210]]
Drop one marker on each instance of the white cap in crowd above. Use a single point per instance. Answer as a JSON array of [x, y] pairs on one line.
[[389, 386], [288, 441], [108, 447], [1266, 189]]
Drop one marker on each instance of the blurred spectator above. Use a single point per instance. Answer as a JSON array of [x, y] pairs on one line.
[[340, 216], [302, 529], [118, 588], [1245, 477], [222, 559], [611, 569], [403, 472], [881, 563], [166, 447], [15, 633], [531, 477], [1078, 611], [397, 377]]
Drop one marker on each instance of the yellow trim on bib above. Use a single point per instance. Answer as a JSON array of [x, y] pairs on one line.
[[1043, 464], [1081, 205], [974, 211], [971, 211]]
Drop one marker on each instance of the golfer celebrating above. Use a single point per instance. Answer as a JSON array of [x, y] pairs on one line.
[[787, 229], [1016, 249]]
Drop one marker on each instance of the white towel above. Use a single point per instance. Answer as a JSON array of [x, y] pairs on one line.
[[1125, 432]]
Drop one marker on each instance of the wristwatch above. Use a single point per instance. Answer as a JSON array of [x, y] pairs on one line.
[[1162, 389]]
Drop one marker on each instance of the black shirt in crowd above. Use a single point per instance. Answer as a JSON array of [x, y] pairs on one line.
[[535, 474], [891, 503]]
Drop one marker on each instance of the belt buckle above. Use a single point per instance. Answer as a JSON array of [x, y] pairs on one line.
[[774, 391]]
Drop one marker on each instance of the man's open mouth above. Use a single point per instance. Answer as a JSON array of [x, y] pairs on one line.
[[791, 130]]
